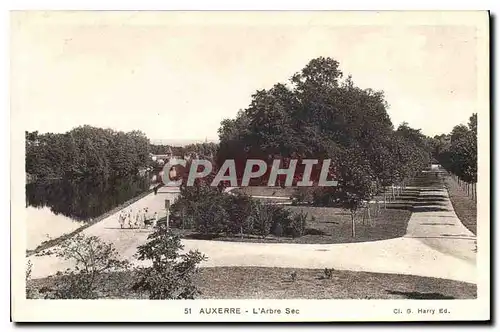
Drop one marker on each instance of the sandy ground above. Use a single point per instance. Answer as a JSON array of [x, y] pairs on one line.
[[436, 245]]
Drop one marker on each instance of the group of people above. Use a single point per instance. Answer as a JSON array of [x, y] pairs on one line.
[[138, 219]]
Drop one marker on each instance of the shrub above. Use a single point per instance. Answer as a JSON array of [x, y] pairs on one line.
[[92, 259], [31, 292], [211, 218], [239, 208], [297, 225], [211, 211], [171, 273], [277, 229], [281, 218], [202, 207], [261, 218], [328, 273]]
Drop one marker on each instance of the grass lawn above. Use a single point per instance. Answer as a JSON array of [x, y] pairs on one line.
[[276, 283], [465, 207]]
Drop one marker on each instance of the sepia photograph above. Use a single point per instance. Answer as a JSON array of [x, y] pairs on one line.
[[250, 166]]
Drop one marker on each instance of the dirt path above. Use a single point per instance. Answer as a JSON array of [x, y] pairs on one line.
[[436, 245]]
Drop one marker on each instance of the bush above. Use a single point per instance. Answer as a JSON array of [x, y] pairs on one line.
[[211, 211], [31, 292], [261, 218], [297, 225], [171, 273], [328, 273], [239, 208], [211, 218], [201, 207], [277, 229], [281, 218], [92, 259]]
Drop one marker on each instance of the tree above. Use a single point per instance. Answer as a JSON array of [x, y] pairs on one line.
[[171, 274], [318, 115], [355, 183], [203, 150], [457, 151]]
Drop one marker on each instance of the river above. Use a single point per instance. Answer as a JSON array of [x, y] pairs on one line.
[[57, 207]]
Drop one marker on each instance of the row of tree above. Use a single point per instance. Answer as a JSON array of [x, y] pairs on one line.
[[457, 152], [86, 152]]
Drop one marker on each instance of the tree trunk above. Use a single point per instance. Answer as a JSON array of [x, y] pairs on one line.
[[353, 225], [369, 215], [183, 221], [364, 214]]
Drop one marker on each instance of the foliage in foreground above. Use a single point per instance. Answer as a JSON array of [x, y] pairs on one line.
[[168, 276], [171, 273], [91, 260]]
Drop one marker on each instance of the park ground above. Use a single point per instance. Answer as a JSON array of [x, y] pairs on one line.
[[427, 254], [276, 283]]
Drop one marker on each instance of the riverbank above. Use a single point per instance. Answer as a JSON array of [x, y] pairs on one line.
[[53, 242]]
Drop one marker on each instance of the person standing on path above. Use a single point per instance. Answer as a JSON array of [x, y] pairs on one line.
[[138, 219], [121, 218], [155, 219], [129, 217], [145, 217]]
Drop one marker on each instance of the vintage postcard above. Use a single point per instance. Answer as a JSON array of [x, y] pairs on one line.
[[314, 166]]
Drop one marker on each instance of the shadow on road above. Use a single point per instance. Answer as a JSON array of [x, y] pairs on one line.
[[421, 296], [436, 224], [443, 237], [417, 209]]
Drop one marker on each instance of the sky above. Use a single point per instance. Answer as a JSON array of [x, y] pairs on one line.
[[176, 76]]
